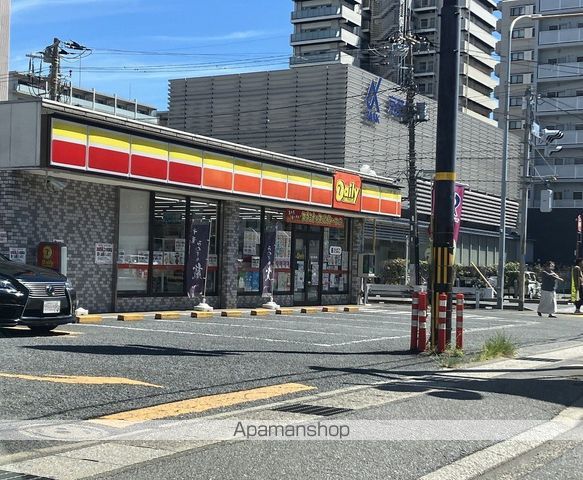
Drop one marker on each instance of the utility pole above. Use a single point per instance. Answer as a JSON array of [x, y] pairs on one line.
[[412, 169], [413, 113], [528, 102], [52, 56], [442, 252]]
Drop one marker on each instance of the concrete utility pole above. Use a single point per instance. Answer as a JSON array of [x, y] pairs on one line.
[[442, 252], [528, 102], [412, 169], [413, 114], [54, 59]]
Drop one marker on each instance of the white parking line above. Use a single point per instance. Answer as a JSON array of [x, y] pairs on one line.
[[180, 332], [328, 324], [260, 327]]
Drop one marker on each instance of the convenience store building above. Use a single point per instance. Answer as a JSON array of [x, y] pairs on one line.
[[124, 197]]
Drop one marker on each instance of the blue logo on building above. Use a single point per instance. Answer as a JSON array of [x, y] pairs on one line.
[[373, 111], [396, 108]]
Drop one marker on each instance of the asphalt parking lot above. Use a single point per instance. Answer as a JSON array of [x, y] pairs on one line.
[[88, 371]]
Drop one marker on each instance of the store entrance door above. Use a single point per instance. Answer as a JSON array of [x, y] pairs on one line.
[[307, 265]]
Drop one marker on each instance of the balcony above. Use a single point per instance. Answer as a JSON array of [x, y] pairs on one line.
[[481, 13], [567, 35], [322, 58], [562, 172], [479, 97], [561, 204], [559, 105], [420, 6], [326, 13], [478, 76], [548, 5], [564, 70], [323, 36]]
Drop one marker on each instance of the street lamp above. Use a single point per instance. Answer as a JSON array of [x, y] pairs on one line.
[[503, 193]]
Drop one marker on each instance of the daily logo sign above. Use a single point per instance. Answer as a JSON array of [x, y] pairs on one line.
[[347, 191], [373, 111]]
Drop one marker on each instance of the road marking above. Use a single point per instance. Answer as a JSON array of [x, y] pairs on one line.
[[216, 335], [200, 404], [328, 324], [259, 327], [80, 380]]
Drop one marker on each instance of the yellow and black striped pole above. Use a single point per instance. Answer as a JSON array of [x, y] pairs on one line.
[[444, 186]]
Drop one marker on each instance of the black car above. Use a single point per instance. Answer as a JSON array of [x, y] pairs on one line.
[[36, 297]]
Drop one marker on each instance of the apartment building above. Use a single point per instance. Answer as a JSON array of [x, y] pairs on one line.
[[547, 56], [4, 47], [355, 32]]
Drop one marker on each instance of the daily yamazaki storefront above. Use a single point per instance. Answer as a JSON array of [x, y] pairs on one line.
[[155, 217]]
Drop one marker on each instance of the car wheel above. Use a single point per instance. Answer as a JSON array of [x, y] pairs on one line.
[[42, 328]]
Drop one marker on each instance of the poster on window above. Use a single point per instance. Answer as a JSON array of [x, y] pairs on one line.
[[267, 259], [198, 243], [17, 254], [250, 241]]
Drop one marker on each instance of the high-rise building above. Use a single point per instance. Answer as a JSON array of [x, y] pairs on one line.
[[547, 57], [4, 47], [356, 32]]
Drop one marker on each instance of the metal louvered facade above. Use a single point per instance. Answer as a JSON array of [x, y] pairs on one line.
[[318, 113]]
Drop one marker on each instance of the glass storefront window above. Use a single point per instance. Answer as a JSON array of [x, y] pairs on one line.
[[133, 246], [249, 249], [168, 244], [274, 222], [152, 242], [336, 261], [206, 212]]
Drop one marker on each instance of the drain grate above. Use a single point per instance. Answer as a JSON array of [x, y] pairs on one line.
[[312, 409], [5, 475]]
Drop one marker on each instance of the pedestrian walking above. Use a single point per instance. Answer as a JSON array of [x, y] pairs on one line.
[[548, 294], [577, 285]]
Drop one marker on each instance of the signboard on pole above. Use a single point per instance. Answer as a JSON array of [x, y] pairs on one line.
[[196, 266]]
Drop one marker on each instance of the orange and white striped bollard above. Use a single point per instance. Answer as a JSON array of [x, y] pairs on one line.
[[422, 322], [459, 321], [441, 322], [414, 321]]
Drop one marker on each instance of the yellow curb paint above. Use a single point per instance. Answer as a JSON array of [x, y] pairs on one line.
[[285, 311], [201, 314], [200, 404], [351, 309], [310, 310], [130, 317], [167, 315], [231, 313], [329, 309], [89, 319], [80, 380], [261, 311]]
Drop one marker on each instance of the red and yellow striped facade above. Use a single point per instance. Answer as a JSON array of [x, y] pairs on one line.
[[107, 151]]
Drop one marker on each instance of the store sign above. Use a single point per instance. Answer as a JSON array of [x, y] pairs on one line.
[[49, 256], [313, 218], [347, 191], [335, 250], [457, 210], [373, 111]]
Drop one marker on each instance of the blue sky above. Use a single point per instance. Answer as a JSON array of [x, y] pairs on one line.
[[138, 45]]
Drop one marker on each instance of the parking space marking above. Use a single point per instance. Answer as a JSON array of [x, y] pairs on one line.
[[355, 325], [80, 380], [259, 327], [216, 335], [200, 404]]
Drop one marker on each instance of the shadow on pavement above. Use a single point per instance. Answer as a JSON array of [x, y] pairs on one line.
[[19, 332], [132, 350]]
